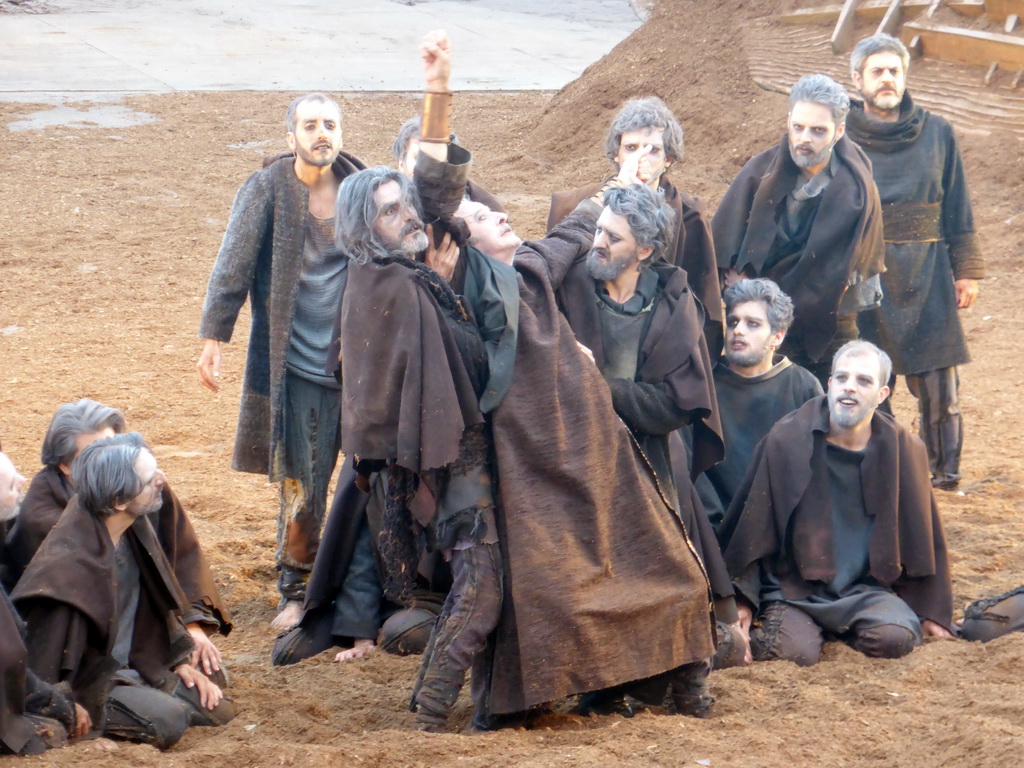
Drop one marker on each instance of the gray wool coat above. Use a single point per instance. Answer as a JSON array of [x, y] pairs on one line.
[[261, 257]]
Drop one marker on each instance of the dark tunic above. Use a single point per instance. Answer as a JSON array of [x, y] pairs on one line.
[[68, 597], [781, 520], [691, 249], [748, 408], [843, 244], [45, 501], [929, 237]]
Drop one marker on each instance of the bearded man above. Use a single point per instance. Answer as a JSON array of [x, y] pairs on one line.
[[279, 251], [931, 253], [806, 215], [835, 531]]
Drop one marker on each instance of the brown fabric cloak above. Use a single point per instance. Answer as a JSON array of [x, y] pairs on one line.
[[401, 398], [692, 249], [845, 238], [68, 598], [15, 728], [48, 496], [593, 552], [783, 506]]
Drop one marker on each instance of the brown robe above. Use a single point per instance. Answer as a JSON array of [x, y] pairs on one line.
[[692, 249], [15, 729], [48, 496], [845, 239], [68, 598], [593, 552], [783, 506]]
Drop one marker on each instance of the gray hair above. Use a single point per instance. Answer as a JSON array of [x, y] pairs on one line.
[[823, 90], [860, 348], [880, 43], [73, 420], [294, 106], [411, 130], [104, 473], [777, 305], [644, 114], [650, 219], [355, 211]]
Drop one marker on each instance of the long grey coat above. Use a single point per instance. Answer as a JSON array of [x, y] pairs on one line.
[[261, 257]]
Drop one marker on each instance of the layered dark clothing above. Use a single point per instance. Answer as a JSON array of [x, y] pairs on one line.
[[782, 515], [593, 551], [929, 237], [749, 406], [692, 249], [843, 243], [47, 497], [68, 597], [261, 257]]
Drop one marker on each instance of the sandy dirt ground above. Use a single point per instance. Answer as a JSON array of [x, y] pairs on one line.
[[107, 237]]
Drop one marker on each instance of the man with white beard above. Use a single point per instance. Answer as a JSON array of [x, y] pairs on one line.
[[835, 532]]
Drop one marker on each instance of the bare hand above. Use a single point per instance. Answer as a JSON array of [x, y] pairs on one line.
[[442, 258], [209, 693], [209, 365], [932, 629], [586, 351], [206, 656], [966, 292], [731, 277], [742, 627], [83, 723], [436, 52], [363, 646], [634, 166]]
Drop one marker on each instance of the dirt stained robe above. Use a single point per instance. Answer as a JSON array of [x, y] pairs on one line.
[[594, 553]]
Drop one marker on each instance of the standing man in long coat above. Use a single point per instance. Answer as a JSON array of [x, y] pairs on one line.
[[279, 250], [932, 258]]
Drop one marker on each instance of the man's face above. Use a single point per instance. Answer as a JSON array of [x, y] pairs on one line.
[[615, 249], [655, 163], [855, 389], [11, 486], [812, 134], [407, 164], [749, 339], [151, 498], [489, 230], [317, 136], [397, 225], [882, 82]]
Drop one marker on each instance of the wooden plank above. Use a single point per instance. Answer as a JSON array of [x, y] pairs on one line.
[[991, 74], [967, 46], [932, 9], [846, 27], [1011, 23], [1000, 10], [874, 10], [892, 19], [1016, 78]]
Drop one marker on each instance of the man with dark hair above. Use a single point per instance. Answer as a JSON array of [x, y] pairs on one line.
[[406, 148], [806, 215], [107, 620], [835, 531], [34, 715], [74, 426], [755, 385], [279, 250], [648, 122], [932, 255]]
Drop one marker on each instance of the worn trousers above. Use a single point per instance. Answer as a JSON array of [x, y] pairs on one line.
[[459, 639], [312, 439]]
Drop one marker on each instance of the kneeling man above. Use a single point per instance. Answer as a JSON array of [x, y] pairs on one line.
[[835, 531]]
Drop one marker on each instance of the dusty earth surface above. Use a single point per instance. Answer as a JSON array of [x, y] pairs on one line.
[[107, 237]]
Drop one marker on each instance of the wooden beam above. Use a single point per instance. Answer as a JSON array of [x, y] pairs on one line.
[[874, 10], [967, 46], [1000, 10], [990, 75], [1016, 78], [914, 47], [892, 19], [1011, 23], [932, 9], [846, 27]]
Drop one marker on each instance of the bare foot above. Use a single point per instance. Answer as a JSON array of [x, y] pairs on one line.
[[363, 647], [289, 616]]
